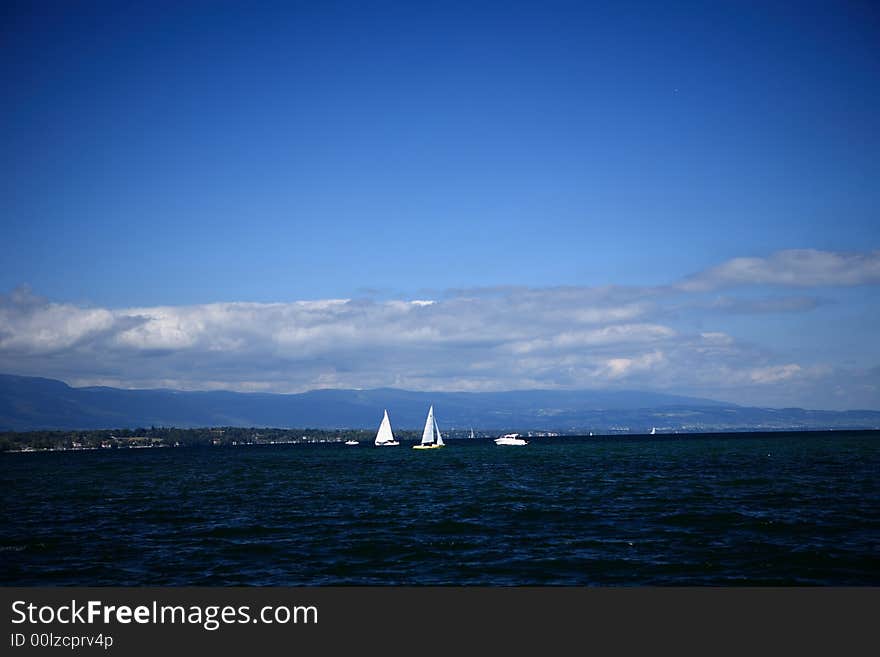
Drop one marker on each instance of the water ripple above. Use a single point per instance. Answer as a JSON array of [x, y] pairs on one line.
[[696, 510]]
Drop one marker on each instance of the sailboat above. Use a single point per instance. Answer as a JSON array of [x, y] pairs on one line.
[[653, 431], [431, 438], [472, 433], [384, 437]]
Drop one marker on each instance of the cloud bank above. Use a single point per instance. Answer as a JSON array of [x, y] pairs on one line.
[[793, 267], [480, 339]]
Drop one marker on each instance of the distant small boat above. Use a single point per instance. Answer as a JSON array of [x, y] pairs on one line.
[[472, 433], [384, 437], [653, 430], [431, 438], [511, 439], [352, 442]]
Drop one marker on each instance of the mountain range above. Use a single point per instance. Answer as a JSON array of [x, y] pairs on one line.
[[31, 403]]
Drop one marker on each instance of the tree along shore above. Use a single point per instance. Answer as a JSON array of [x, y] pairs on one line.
[[175, 437]]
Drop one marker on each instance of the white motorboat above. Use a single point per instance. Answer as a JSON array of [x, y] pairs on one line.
[[511, 439]]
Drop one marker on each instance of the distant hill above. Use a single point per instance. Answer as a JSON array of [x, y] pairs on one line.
[[29, 403]]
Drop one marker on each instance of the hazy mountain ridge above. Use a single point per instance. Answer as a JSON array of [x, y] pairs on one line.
[[30, 403]]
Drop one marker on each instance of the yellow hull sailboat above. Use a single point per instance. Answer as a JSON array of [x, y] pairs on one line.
[[431, 438]]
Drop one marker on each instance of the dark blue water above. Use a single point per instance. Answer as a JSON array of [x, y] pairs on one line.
[[768, 509]]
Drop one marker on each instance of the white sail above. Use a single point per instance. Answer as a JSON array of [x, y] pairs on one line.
[[384, 436], [431, 438], [428, 433], [437, 429]]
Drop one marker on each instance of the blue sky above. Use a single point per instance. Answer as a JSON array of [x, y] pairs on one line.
[[185, 155]]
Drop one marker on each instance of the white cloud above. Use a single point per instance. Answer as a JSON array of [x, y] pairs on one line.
[[716, 338], [515, 338], [606, 335], [619, 367], [496, 339], [479, 339], [774, 373], [52, 327], [793, 267]]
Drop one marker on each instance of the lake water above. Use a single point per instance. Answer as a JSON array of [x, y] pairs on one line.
[[756, 509]]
